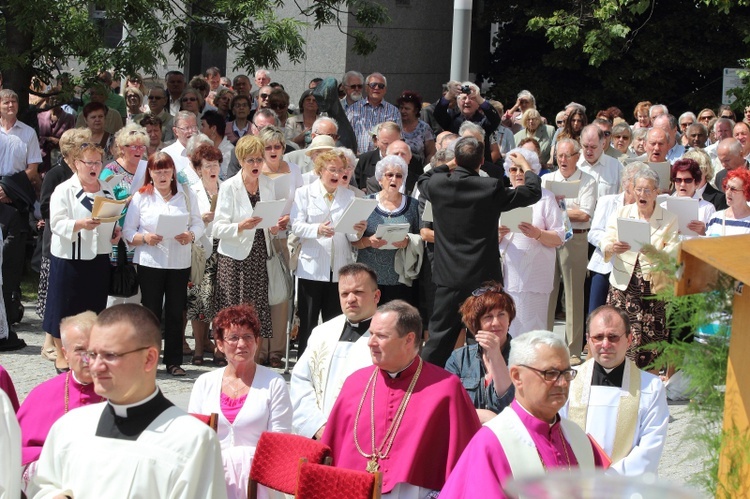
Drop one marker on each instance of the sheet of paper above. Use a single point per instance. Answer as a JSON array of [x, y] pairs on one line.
[[663, 170], [634, 232], [214, 198], [281, 184], [269, 211], [113, 180], [512, 218], [686, 210], [566, 189], [107, 210], [427, 213], [168, 226], [358, 210], [392, 233]]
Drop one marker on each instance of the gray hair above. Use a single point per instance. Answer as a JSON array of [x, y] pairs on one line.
[[272, 134], [687, 114], [82, 322], [732, 146], [723, 121], [350, 74], [530, 156], [670, 118], [7, 93], [351, 158], [262, 72], [647, 174], [379, 75], [638, 132], [574, 143], [390, 162], [267, 113], [526, 94], [183, 116], [657, 106], [196, 140], [314, 127], [703, 159], [629, 171], [442, 157], [524, 349], [576, 106], [621, 128], [471, 127]]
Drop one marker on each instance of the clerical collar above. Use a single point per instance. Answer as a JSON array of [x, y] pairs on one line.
[[122, 410], [557, 416], [614, 377], [137, 417], [77, 382], [354, 331], [397, 374]]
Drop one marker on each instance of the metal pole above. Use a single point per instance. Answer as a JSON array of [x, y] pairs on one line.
[[461, 40]]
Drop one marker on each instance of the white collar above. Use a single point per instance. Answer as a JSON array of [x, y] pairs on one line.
[[122, 410]]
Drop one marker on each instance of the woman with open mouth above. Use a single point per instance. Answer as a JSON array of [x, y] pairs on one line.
[[241, 273], [80, 247], [735, 219], [635, 277], [686, 175]]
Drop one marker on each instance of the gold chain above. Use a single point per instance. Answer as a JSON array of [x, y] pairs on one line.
[[390, 435]]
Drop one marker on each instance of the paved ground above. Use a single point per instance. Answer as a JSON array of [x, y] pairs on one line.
[[28, 368]]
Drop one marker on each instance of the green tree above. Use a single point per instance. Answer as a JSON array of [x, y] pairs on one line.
[[617, 52], [42, 36]]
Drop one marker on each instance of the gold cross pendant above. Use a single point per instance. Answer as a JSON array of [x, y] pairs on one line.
[[372, 465]]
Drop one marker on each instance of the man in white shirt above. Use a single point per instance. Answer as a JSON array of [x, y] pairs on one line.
[[353, 83], [334, 350], [657, 146], [722, 130], [606, 170], [572, 256], [323, 126], [623, 408], [668, 123], [213, 126], [185, 126], [137, 444]]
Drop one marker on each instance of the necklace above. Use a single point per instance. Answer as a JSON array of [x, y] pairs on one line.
[[565, 449], [385, 447], [236, 386], [67, 392]]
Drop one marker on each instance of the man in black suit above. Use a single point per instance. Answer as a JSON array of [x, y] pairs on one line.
[[466, 209]]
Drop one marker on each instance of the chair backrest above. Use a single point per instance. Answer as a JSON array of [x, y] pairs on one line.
[[211, 420], [315, 481], [277, 457]]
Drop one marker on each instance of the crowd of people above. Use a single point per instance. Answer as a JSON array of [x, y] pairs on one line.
[[237, 215]]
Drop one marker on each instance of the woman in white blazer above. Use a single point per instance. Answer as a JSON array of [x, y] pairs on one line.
[[241, 272], [206, 160], [317, 207], [80, 246], [164, 262], [635, 279]]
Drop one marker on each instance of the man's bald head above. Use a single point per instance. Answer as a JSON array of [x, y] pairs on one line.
[[400, 149], [657, 145]]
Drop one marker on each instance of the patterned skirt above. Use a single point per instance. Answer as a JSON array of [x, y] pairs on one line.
[[200, 306], [245, 281], [41, 297], [648, 319]]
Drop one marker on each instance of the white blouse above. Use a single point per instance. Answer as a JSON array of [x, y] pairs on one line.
[[143, 216]]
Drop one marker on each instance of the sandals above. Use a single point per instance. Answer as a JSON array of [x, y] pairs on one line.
[[49, 353], [197, 360], [176, 370], [220, 361]]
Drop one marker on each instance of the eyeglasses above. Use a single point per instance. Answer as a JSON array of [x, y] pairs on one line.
[[233, 340], [332, 135], [487, 289], [514, 169], [264, 96], [187, 129], [641, 190], [136, 147], [336, 171], [356, 86], [553, 374], [189, 99], [612, 338], [277, 106], [275, 147], [560, 122], [155, 97], [567, 156], [705, 118], [607, 134], [683, 180], [375, 85], [253, 161], [685, 125], [618, 137], [735, 189], [392, 175], [106, 357], [95, 164]]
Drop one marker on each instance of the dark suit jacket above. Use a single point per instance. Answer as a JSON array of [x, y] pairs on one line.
[[466, 209], [365, 170], [715, 197], [486, 116]]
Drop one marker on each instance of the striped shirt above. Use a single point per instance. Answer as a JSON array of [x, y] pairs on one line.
[[363, 116]]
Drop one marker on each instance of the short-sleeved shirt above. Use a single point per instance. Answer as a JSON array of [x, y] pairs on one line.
[[363, 116], [28, 136]]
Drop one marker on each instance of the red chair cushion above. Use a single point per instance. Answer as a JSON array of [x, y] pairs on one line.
[[277, 456], [326, 482]]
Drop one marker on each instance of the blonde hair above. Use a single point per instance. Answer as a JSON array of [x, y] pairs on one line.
[[71, 141], [249, 145], [327, 157], [129, 134], [704, 162], [83, 322]]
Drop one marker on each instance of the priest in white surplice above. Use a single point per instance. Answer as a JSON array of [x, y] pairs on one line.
[[335, 350], [623, 408], [137, 444], [10, 450]]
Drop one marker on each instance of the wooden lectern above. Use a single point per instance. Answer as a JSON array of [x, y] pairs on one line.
[[702, 258]]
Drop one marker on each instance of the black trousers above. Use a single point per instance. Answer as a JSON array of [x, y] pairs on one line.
[[315, 298], [445, 324], [15, 231], [167, 289]]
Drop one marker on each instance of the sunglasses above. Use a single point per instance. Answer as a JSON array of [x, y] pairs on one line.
[[683, 180], [189, 99], [356, 86], [375, 85]]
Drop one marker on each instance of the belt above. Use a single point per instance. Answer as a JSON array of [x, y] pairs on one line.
[[580, 231]]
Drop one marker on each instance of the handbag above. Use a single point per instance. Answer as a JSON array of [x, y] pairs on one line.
[[197, 252], [123, 280], [280, 286]]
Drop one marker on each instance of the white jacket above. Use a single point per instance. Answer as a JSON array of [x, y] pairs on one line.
[[65, 208], [232, 207], [310, 209]]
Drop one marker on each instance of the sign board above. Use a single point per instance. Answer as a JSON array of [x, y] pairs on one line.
[[731, 80]]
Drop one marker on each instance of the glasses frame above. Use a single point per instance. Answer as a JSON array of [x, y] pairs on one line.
[[569, 373], [89, 357]]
